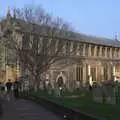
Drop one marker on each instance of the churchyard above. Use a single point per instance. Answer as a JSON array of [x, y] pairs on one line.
[[103, 101]]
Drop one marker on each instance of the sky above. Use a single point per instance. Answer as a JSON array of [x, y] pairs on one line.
[[91, 17]]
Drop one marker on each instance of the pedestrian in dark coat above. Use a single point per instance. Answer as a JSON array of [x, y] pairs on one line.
[[16, 88]]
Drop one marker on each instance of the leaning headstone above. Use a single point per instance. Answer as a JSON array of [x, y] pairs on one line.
[[97, 94]]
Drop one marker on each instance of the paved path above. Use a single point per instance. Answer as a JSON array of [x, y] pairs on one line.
[[26, 110]]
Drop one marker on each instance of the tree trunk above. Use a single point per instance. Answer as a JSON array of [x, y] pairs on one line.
[[36, 83]]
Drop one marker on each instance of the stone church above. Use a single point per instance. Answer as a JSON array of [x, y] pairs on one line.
[[94, 58]]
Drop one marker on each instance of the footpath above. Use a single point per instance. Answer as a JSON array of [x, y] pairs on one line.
[[26, 110]]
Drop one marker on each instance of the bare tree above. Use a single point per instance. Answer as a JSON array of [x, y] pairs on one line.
[[43, 44]]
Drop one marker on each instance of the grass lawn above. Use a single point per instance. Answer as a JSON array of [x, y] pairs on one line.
[[85, 104]]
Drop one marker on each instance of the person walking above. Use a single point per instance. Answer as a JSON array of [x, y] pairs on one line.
[[1, 102], [16, 89], [2, 98], [60, 85], [90, 84], [9, 88]]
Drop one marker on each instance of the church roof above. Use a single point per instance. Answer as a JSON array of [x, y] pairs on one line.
[[28, 27], [98, 40]]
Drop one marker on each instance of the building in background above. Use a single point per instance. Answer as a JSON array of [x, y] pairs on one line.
[[94, 58]]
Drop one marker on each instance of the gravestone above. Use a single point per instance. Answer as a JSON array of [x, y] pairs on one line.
[[117, 93], [77, 84], [97, 94], [109, 92], [41, 85], [49, 91], [46, 83], [57, 91], [26, 85], [52, 84]]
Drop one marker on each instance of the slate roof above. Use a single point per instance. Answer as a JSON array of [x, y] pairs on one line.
[[76, 36]]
